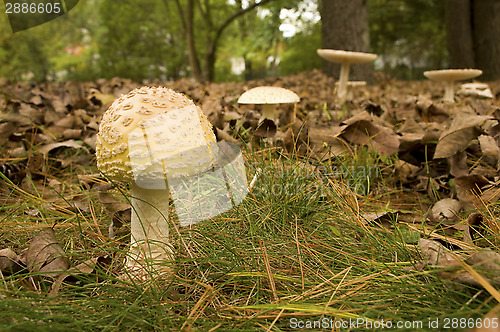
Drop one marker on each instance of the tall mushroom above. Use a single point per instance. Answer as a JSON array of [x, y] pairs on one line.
[[146, 137], [268, 97], [345, 58], [449, 76]]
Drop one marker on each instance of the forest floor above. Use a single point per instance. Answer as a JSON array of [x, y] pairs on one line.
[[379, 212]]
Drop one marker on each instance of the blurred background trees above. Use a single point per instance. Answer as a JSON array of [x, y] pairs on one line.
[[245, 39]]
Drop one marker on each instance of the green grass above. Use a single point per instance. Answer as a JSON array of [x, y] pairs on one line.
[[296, 249]]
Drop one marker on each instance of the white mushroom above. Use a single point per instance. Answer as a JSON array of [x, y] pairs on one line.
[[350, 86], [345, 58], [449, 76], [476, 89], [268, 97], [146, 137]]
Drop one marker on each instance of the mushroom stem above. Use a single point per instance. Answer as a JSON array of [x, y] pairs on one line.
[[449, 92], [267, 112], [344, 77], [149, 228]]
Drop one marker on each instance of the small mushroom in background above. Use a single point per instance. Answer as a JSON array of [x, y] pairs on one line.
[[149, 137], [345, 58], [449, 76], [268, 97], [476, 89], [350, 87]]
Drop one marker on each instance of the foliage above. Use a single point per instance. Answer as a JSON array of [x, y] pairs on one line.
[[142, 40], [145, 40], [298, 49], [409, 35]]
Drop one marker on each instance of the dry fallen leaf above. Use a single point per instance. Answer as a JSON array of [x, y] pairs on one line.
[[435, 254], [120, 212], [446, 210], [66, 144], [463, 129], [366, 133], [85, 269], [10, 262], [45, 255], [486, 263]]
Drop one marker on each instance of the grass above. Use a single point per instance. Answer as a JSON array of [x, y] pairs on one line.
[[296, 251]]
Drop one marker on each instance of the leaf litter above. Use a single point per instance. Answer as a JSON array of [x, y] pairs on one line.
[[446, 154]]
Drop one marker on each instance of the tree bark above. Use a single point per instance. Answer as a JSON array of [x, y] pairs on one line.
[[486, 34], [459, 34], [193, 55], [345, 27], [473, 28]]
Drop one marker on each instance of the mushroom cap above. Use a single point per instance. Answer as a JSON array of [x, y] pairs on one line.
[[354, 83], [452, 74], [268, 95], [476, 89], [346, 56], [153, 132]]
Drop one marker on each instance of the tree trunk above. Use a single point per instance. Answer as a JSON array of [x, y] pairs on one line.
[[345, 27], [459, 34], [193, 56], [211, 55], [486, 34], [473, 28]]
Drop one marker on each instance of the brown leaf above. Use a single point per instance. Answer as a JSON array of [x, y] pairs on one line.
[[405, 172], [267, 128], [45, 255], [487, 263], [7, 129], [111, 204], [87, 268], [429, 111], [66, 122], [72, 133], [224, 136], [436, 254], [476, 190], [462, 131], [446, 210], [458, 164], [366, 133], [10, 262], [490, 149], [34, 114], [66, 144], [120, 212]]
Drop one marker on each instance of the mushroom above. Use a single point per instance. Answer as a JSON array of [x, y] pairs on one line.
[[476, 89], [350, 86], [449, 76], [268, 97], [345, 58], [147, 137]]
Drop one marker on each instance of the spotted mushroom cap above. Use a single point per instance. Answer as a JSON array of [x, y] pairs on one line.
[[268, 95], [152, 133]]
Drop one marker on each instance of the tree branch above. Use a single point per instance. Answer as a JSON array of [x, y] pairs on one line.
[[181, 13], [231, 18]]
